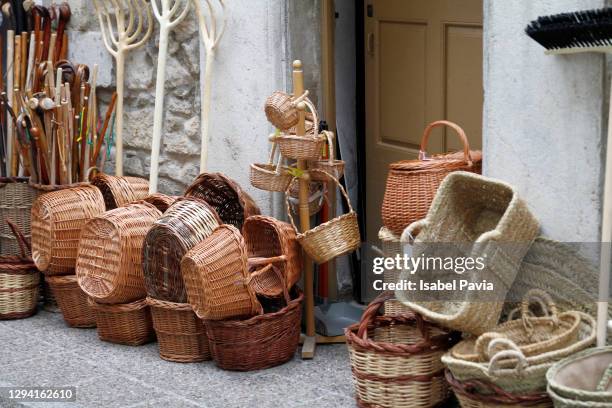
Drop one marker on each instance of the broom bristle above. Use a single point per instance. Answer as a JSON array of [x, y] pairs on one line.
[[588, 28]]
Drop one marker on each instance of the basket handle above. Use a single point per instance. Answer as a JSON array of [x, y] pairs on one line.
[[546, 303], [481, 346], [278, 273], [266, 261], [330, 143], [466, 145], [24, 245], [512, 352]]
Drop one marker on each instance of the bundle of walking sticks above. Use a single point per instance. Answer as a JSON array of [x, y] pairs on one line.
[[49, 124]]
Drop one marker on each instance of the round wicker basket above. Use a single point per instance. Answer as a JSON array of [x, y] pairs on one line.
[[128, 323]]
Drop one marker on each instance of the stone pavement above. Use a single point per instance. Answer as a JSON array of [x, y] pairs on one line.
[[43, 351]]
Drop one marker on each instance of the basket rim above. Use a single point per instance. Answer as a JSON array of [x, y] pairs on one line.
[[14, 180], [61, 279], [164, 304], [121, 307], [312, 231], [432, 163]]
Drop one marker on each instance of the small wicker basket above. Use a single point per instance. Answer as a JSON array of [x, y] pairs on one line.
[[72, 301], [161, 201], [270, 176], [180, 333], [119, 191], [16, 197], [330, 165], [280, 109], [232, 203], [128, 323]]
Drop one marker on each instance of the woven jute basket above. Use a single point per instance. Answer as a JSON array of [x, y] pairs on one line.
[[186, 223], [19, 281], [412, 184], [260, 342], [16, 197], [469, 397], [336, 237], [484, 219], [395, 360], [280, 109], [57, 220], [585, 377], [391, 247], [509, 369], [109, 261], [562, 402], [161, 201], [216, 277], [180, 333], [533, 335], [72, 301], [330, 165], [266, 237], [270, 176], [223, 194], [128, 323], [119, 191]]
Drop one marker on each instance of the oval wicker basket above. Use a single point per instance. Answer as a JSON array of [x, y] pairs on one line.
[[119, 191], [333, 238], [72, 301], [16, 197], [109, 262], [161, 201], [330, 165], [270, 176], [57, 219], [232, 203], [128, 323], [186, 223], [280, 109], [19, 281], [395, 360], [412, 184], [309, 147], [260, 342], [216, 276]]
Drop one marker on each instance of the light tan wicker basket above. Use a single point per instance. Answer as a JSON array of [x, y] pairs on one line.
[[16, 197], [270, 176], [330, 165]]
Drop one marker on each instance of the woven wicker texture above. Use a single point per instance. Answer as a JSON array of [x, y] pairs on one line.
[[294, 147], [119, 191], [128, 323], [395, 360], [270, 176], [488, 220], [280, 109], [412, 184], [180, 333], [260, 342], [330, 165], [47, 188], [336, 237], [510, 370], [316, 196], [187, 222], [57, 219], [109, 262], [266, 237], [19, 281], [225, 195], [161, 201], [72, 301], [216, 276], [584, 377], [391, 246], [16, 197]]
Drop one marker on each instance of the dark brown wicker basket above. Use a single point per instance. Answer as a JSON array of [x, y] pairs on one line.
[[180, 333], [119, 191], [161, 201], [260, 342], [128, 324], [232, 203], [72, 301]]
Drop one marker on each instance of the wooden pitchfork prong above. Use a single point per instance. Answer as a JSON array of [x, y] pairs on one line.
[[107, 33], [138, 30]]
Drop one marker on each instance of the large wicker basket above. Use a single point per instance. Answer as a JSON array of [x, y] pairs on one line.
[[260, 342], [180, 333], [72, 301], [109, 262], [19, 281], [16, 197], [412, 184], [395, 360], [186, 223], [128, 323], [119, 191], [232, 203], [57, 219]]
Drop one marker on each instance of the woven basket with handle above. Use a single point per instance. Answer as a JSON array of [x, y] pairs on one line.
[[316, 197], [412, 184], [330, 165], [72, 301], [128, 323], [16, 197], [119, 191], [280, 109], [270, 176], [395, 360]]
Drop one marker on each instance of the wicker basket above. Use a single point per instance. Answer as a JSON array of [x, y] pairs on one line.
[[260, 342], [225, 195], [19, 281], [412, 184], [395, 360], [72, 301], [180, 333], [270, 176], [16, 197], [128, 323], [266, 237], [316, 196], [109, 262], [585, 377], [161, 201], [215, 274], [186, 223], [57, 219], [119, 191], [307, 147], [391, 247], [562, 402], [333, 238], [483, 218], [280, 109], [330, 165]]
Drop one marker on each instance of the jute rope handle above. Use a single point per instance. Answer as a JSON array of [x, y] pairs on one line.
[[511, 352], [481, 346], [466, 145], [24, 245]]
